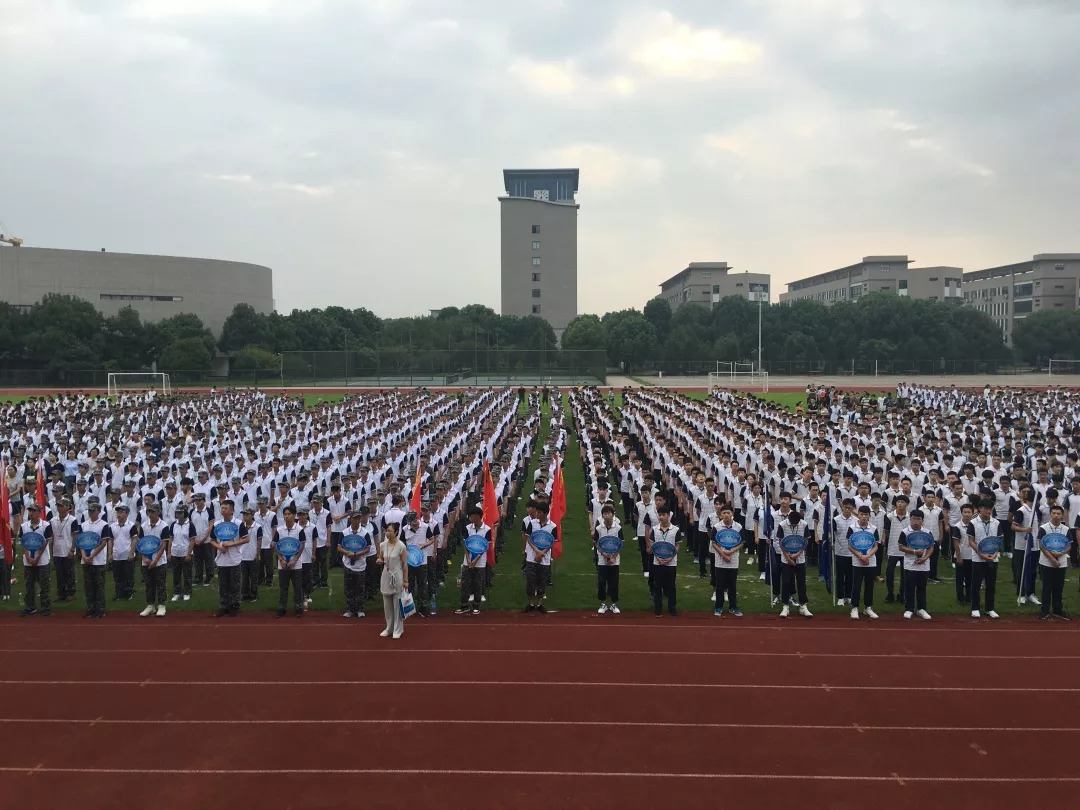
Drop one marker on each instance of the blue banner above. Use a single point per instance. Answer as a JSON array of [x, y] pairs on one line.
[[663, 550], [33, 542], [920, 541], [226, 531], [288, 547], [862, 541], [354, 543], [793, 544], [610, 545], [476, 544], [990, 545], [148, 545], [416, 556], [88, 541], [542, 539], [727, 539], [1055, 542]]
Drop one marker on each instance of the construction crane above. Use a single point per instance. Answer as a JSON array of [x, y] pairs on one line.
[[14, 241]]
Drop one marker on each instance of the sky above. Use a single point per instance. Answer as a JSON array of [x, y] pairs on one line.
[[357, 147]]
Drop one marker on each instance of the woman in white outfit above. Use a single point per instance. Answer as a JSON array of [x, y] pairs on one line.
[[393, 556]]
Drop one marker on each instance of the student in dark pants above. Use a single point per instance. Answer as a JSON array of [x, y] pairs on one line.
[[1053, 563], [793, 566], [607, 565], [916, 569], [726, 560], [864, 566], [960, 535], [664, 567], [983, 566]]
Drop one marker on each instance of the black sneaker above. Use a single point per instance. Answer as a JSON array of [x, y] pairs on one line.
[[280, 612], [529, 609], [889, 598], [541, 609], [1061, 615], [1043, 617], [461, 611], [298, 614], [658, 614], [27, 612], [46, 613], [220, 613], [88, 615]]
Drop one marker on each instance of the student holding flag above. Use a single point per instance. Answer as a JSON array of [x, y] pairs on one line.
[[608, 540]]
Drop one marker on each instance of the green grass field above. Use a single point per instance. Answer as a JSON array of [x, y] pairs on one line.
[[574, 575]]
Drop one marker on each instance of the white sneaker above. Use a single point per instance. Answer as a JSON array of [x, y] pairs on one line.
[[384, 634], [148, 610], [761, 577], [785, 612], [870, 612], [805, 611], [975, 614], [471, 598], [923, 615], [160, 610], [775, 601], [359, 614], [713, 597], [993, 614], [187, 597], [397, 635], [347, 614], [645, 574], [1022, 600], [615, 608], [602, 608], [483, 598], [854, 613], [908, 614], [1033, 600], [1008, 554], [175, 598], [847, 602]]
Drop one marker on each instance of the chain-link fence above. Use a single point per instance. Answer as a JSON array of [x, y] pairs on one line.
[[854, 366]]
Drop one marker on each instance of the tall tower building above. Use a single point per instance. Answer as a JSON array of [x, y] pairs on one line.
[[539, 244]]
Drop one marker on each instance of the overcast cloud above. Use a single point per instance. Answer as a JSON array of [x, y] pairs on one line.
[[357, 147]]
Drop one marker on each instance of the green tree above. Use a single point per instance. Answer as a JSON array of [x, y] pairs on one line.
[[632, 339], [584, 332], [658, 313], [245, 327], [255, 358], [63, 333], [186, 354], [184, 325], [1048, 334], [127, 341]]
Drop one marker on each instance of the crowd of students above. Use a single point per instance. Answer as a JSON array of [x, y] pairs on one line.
[[242, 487], [245, 488]]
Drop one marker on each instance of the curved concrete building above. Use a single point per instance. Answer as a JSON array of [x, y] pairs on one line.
[[157, 287]]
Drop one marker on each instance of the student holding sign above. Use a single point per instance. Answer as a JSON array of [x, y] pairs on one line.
[[226, 537], [726, 540], [917, 546], [154, 535], [474, 564], [790, 544], [664, 543], [863, 540], [355, 545], [607, 538], [35, 536], [985, 545], [289, 542], [542, 536], [1054, 546], [92, 538], [417, 536]]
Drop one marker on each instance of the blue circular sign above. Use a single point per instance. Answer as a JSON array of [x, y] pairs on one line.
[[920, 541], [225, 531], [727, 539], [288, 547], [663, 550], [33, 542], [610, 545], [416, 556], [148, 545], [476, 544], [793, 544], [990, 545], [542, 539], [862, 541], [354, 543], [88, 541], [1056, 542]]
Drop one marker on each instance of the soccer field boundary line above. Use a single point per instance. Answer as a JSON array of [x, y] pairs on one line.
[[532, 651], [354, 721], [895, 778], [825, 687]]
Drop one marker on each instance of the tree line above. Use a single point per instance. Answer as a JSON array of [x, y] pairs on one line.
[[67, 333]]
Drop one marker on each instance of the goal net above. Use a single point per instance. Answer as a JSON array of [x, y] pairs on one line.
[[750, 379], [738, 375], [120, 382], [1061, 368]]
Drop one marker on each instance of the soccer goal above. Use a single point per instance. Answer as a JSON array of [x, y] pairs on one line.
[[1063, 367], [750, 379], [133, 381]]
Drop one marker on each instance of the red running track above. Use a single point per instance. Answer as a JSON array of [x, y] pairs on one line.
[[564, 711]]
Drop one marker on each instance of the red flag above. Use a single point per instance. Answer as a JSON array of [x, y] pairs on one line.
[[558, 507], [414, 502], [39, 488], [5, 518], [491, 511]]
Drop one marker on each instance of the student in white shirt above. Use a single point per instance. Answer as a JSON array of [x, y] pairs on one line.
[[864, 566], [664, 568], [289, 572], [36, 563], [725, 558], [1053, 563], [228, 558], [249, 557], [355, 562], [983, 566], [154, 567], [607, 564], [180, 553], [538, 560], [916, 568]]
